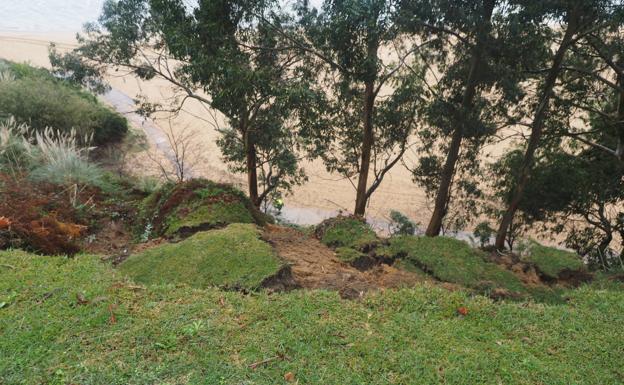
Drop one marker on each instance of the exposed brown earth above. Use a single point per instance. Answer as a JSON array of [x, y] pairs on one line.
[[315, 266]]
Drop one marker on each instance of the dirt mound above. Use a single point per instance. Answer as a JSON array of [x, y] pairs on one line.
[[315, 266], [52, 220], [183, 209]]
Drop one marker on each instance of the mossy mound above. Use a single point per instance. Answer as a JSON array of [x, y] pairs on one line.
[[454, 261], [346, 231], [180, 210], [233, 257], [554, 264]]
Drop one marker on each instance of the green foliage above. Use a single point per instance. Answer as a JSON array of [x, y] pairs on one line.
[[233, 257], [550, 261], [15, 147], [401, 224], [35, 97], [483, 232], [230, 51], [173, 334], [60, 159], [349, 124], [452, 260], [348, 254], [195, 205], [47, 156], [346, 231]]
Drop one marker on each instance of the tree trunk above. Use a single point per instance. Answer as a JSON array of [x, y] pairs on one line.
[[367, 145], [446, 178], [619, 151], [536, 133], [252, 172]]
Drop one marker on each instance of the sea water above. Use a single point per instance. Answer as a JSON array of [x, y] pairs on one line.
[[47, 15]]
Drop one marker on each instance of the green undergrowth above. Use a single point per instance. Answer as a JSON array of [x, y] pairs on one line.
[[345, 231], [34, 96], [347, 254], [78, 321], [233, 257], [198, 204], [452, 260], [550, 261]]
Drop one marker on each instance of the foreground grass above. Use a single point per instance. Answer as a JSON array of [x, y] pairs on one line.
[[178, 335], [232, 257]]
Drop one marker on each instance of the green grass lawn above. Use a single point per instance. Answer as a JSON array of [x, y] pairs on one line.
[[230, 257], [174, 334]]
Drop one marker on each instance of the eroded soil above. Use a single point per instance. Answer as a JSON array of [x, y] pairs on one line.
[[315, 266]]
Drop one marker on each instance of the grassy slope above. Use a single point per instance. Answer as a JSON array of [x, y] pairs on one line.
[[177, 335], [452, 260], [551, 261], [232, 257]]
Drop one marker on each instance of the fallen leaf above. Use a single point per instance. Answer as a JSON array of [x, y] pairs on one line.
[[112, 319], [289, 377], [462, 310], [4, 222]]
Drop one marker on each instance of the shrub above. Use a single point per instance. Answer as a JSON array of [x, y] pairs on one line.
[[48, 156], [483, 232], [14, 147], [37, 98], [61, 160], [400, 224]]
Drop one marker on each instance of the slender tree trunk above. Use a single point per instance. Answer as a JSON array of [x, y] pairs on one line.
[[448, 170], [252, 172], [536, 133], [619, 151], [367, 145]]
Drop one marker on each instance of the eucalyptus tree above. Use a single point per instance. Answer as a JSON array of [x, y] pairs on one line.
[[478, 73], [576, 22], [220, 53], [369, 93], [593, 86]]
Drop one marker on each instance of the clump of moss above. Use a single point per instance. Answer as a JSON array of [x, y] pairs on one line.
[[233, 257], [346, 231], [180, 210], [452, 260], [551, 262]]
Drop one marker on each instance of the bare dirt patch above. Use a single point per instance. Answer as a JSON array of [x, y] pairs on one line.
[[315, 266]]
